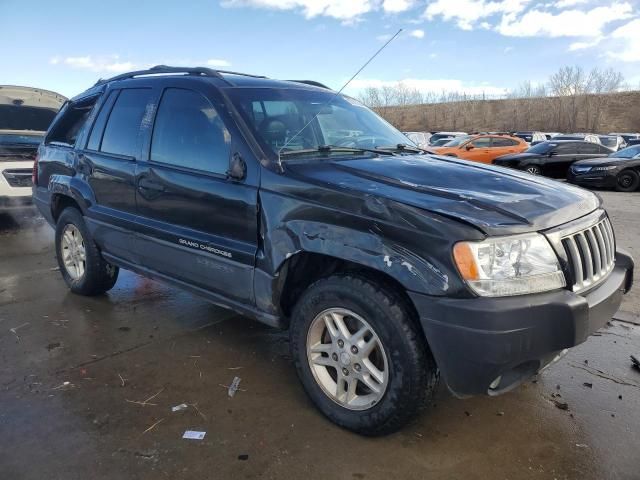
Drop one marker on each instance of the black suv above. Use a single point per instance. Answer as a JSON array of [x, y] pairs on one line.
[[305, 210]]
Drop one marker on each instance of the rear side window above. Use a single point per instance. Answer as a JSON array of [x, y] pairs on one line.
[[504, 142], [566, 148], [188, 132], [123, 127], [67, 127], [589, 148]]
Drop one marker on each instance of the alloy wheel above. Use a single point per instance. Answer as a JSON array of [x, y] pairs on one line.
[[347, 359], [74, 255]]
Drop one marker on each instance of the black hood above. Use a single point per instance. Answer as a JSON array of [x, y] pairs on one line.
[[494, 200], [602, 161]]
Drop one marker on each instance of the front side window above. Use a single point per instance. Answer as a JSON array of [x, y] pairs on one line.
[[189, 133], [277, 116], [123, 127]]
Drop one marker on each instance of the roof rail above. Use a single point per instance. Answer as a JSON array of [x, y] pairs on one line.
[[165, 69], [313, 83]]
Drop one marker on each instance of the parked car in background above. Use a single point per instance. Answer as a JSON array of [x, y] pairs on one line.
[[25, 115], [444, 135], [585, 137], [420, 139], [482, 148], [550, 135], [629, 138], [620, 170], [381, 263], [614, 142], [532, 138], [552, 158], [439, 143]]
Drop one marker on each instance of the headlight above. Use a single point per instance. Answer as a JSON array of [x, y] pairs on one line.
[[506, 266], [603, 169]]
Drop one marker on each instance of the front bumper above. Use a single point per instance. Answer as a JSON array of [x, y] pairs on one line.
[[593, 179], [477, 340]]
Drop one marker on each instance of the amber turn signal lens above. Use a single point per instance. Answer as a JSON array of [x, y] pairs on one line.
[[465, 261]]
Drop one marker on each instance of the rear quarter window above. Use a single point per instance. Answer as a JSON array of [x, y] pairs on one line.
[[66, 129]]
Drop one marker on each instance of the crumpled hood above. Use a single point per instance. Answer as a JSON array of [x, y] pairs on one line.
[[495, 200]]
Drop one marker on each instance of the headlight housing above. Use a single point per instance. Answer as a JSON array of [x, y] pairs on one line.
[[506, 266]]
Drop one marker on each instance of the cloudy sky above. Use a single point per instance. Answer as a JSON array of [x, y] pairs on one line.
[[473, 46]]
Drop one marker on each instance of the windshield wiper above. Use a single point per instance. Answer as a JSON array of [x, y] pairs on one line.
[[335, 149], [402, 147]]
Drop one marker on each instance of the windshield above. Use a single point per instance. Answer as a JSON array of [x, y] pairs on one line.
[[8, 138], [630, 152], [457, 141], [277, 115], [544, 147]]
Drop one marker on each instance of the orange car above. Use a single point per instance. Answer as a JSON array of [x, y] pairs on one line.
[[482, 148]]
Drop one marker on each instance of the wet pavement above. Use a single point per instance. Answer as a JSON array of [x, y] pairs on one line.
[[87, 386]]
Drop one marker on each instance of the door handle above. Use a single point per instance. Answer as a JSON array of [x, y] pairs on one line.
[[150, 189]]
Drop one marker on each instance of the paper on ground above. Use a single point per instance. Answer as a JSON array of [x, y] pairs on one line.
[[193, 435]]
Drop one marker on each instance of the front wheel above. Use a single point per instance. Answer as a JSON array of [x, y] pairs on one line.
[[627, 181], [360, 355], [82, 266]]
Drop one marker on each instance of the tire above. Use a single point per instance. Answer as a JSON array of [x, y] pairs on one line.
[[92, 275], [402, 355], [627, 181], [533, 170]]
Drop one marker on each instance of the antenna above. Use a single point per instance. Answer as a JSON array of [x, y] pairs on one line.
[[339, 92]]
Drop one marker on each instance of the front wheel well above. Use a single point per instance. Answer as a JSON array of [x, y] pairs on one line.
[[305, 268], [59, 202]]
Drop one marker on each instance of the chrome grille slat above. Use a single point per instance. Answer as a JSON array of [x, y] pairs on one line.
[[591, 254]]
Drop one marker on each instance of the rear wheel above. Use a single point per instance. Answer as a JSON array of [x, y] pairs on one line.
[[627, 181], [81, 263], [360, 355], [533, 170]]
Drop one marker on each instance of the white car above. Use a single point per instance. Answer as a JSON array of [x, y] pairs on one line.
[[25, 115]]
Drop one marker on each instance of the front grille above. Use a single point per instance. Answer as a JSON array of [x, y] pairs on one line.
[[19, 177], [591, 253]]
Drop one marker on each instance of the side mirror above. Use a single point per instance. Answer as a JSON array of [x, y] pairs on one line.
[[469, 147], [238, 168]]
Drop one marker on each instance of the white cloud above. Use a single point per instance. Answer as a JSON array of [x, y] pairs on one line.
[[397, 6], [98, 64], [347, 11], [417, 33], [466, 13], [384, 37], [508, 49], [568, 3], [218, 62], [629, 36], [431, 85], [575, 46], [568, 23]]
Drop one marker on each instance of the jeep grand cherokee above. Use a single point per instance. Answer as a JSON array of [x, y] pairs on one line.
[[305, 210]]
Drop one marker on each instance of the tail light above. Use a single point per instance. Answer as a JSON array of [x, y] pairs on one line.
[[34, 173]]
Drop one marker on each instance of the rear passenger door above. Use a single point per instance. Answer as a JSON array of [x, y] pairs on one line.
[[109, 163], [503, 146], [197, 225]]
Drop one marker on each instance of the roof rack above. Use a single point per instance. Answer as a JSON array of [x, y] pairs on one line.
[[313, 83], [165, 69]]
